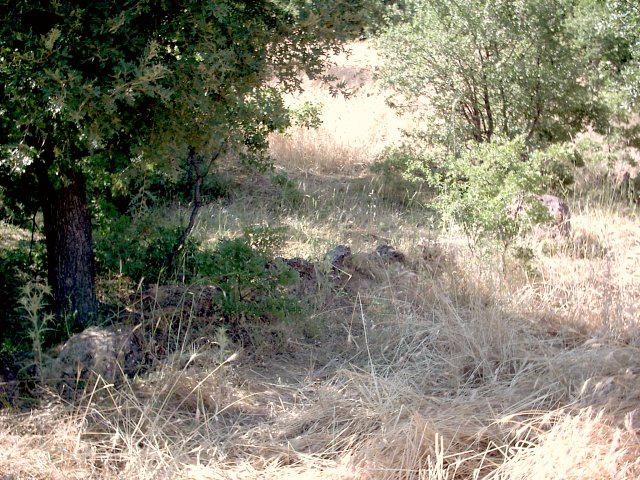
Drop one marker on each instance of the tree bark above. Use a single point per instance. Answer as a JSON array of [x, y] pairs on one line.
[[67, 227]]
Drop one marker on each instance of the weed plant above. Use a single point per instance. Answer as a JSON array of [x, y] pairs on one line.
[[17, 268], [33, 303]]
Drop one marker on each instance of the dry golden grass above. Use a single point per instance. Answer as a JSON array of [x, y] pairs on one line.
[[354, 131], [444, 367]]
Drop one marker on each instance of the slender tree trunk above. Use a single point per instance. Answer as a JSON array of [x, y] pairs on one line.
[[67, 227], [197, 177]]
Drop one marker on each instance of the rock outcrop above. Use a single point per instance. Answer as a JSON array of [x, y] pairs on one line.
[[96, 354], [110, 355], [389, 253]]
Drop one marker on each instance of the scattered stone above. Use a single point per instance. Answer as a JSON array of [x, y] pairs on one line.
[[305, 268], [337, 256], [306, 271], [96, 353], [387, 252], [559, 211], [110, 354]]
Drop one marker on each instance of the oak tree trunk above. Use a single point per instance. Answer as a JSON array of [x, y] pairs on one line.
[[67, 228]]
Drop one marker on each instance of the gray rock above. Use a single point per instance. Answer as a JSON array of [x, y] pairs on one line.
[[96, 353], [387, 252], [305, 268], [306, 271], [337, 255]]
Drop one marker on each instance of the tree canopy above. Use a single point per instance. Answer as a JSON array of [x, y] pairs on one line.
[[492, 68], [114, 81]]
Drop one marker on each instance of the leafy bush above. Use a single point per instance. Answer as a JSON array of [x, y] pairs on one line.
[[159, 188], [400, 163], [18, 202], [251, 284], [489, 191], [307, 115], [137, 248], [557, 163], [608, 34], [265, 240], [214, 186], [402, 174], [491, 68]]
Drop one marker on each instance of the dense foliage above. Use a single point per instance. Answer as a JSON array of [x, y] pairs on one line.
[[251, 285], [491, 69], [17, 268], [490, 191]]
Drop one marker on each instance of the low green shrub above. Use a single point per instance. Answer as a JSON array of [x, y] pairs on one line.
[[489, 191], [401, 174], [557, 164], [137, 248], [251, 284], [402, 164], [307, 115]]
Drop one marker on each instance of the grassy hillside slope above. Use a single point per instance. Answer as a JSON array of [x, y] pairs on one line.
[[444, 366]]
